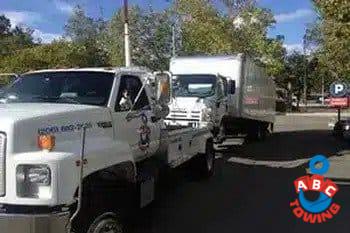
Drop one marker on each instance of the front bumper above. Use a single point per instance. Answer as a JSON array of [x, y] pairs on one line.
[[189, 123], [42, 223]]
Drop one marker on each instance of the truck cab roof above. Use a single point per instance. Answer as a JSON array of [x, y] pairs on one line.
[[209, 57], [93, 69]]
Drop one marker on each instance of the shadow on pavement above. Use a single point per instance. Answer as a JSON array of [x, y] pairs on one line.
[[292, 145], [237, 199], [247, 199]]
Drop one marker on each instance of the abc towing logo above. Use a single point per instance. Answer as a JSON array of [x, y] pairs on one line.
[[322, 209]]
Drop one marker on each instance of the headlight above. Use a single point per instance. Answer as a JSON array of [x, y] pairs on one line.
[[33, 181], [347, 127]]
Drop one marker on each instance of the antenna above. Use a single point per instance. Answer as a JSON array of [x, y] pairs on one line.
[[126, 34]]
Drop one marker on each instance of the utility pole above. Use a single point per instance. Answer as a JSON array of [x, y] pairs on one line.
[[126, 34], [174, 27], [306, 70], [322, 90], [173, 40]]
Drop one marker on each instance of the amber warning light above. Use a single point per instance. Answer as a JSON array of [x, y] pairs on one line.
[[46, 142]]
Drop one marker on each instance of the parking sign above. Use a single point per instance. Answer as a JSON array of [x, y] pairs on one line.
[[338, 89]]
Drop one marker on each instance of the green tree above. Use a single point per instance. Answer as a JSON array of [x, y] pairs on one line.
[[88, 32], [113, 38], [334, 37], [150, 36], [250, 32], [152, 40], [57, 54], [294, 73], [235, 7], [15, 39], [204, 30], [5, 25]]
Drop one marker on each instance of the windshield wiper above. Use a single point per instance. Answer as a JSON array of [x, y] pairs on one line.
[[57, 99], [67, 100]]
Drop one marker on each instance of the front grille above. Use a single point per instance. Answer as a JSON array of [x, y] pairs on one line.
[[2, 163], [182, 115]]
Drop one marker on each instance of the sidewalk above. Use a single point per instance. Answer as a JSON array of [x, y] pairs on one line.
[[321, 114]]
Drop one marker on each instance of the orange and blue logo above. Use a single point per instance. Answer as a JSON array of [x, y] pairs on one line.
[[323, 208]]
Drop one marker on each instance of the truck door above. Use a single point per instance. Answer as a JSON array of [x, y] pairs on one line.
[[135, 126]]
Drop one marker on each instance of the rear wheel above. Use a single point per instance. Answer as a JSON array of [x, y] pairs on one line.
[[106, 224]]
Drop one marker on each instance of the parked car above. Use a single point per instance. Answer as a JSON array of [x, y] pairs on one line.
[[342, 128], [325, 98]]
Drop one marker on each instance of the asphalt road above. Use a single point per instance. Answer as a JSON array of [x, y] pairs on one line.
[[246, 197]]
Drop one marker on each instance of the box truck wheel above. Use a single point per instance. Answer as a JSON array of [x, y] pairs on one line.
[[257, 132], [207, 160], [106, 223]]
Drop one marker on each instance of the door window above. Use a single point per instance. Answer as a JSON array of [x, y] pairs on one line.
[[224, 84], [128, 89]]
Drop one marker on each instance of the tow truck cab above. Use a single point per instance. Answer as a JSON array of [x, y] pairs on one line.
[[75, 145]]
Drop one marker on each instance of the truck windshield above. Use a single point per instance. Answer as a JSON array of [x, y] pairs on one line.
[[90, 88], [194, 85]]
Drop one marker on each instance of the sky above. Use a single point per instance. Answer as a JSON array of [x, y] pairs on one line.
[[48, 17]]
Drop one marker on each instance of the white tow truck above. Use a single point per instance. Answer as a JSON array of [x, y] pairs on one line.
[[82, 148]]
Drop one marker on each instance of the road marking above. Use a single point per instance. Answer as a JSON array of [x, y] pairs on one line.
[[273, 164]]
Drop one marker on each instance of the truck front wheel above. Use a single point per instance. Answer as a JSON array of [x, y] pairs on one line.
[[107, 223]]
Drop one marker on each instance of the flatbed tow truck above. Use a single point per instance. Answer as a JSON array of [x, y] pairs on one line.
[[82, 148]]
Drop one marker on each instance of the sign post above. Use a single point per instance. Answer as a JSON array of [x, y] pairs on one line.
[[339, 99]]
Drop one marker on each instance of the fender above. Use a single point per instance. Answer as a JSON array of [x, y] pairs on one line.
[[116, 158], [203, 142]]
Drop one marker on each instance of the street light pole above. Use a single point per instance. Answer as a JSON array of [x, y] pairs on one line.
[[306, 71], [126, 35], [322, 90], [174, 28], [173, 43]]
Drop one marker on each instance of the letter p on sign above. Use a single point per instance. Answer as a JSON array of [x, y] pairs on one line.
[[338, 88]]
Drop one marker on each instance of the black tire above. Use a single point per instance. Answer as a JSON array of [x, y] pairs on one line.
[[206, 161], [100, 200], [258, 132], [254, 133], [106, 223]]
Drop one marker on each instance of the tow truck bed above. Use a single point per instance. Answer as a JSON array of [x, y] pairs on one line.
[[180, 144]]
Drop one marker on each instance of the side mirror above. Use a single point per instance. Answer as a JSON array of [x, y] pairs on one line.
[[163, 87], [232, 87], [163, 90]]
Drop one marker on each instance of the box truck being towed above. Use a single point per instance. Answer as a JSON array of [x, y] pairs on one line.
[[81, 148], [246, 94]]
